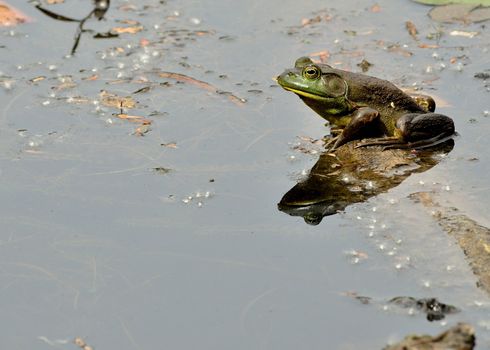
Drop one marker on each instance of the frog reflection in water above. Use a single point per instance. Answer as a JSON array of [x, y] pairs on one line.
[[362, 106]]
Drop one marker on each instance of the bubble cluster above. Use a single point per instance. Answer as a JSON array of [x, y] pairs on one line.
[[198, 198]]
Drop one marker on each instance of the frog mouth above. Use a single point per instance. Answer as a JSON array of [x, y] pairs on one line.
[[306, 94]]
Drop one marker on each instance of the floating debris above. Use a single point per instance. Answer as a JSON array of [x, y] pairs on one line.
[[112, 100], [460, 13], [134, 118], [142, 130], [162, 170], [433, 308], [396, 48], [482, 75], [37, 79], [203, 85], [323, 16], [99, 10], [169, 145], [10, 16], [126, 30], [463, 33], [142, 90], [322, 55], [365, 65], [78, 341], [412, 30]]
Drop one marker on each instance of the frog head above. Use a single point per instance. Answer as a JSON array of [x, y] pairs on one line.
[[319, 86]]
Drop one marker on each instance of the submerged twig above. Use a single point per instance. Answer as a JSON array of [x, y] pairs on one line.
[[99, 10], [202, 84], [55, 15], [80, 31]]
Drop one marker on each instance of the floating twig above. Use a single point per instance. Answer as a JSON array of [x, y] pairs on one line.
[[202, 84], [99, 10]]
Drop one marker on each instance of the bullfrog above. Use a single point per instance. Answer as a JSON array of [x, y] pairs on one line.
[[359, 106]]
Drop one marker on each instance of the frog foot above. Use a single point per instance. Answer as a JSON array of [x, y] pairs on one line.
[[329, 143], [397, 143]]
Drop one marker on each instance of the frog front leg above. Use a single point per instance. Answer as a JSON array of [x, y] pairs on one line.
[[363, 120], [417, 130]]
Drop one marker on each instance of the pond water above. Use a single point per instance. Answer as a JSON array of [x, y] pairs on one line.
[[173, 239]]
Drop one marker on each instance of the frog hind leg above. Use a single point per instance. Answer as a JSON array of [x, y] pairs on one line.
[[417, 131], [362, 122]]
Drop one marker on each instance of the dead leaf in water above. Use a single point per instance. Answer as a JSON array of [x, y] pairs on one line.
[[322, 55], [460, 13], [134, 118], [10, 16], [322, 17], [130, 22], [412, 30], [37, 79], [375, 8], [399, 50], [78, 341], [479, 15], [428, 46], [127, 30], [91, 78], [169, 145], [145, 124], [113, 100], [201, 84], [142, 130], [64, 86]]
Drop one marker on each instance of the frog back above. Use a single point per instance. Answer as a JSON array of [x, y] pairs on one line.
[[381, 95]]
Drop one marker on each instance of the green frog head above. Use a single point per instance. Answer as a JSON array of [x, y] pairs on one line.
[[320, 86]]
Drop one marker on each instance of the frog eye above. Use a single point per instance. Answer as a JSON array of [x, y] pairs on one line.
[[336, 86], [311, 72]]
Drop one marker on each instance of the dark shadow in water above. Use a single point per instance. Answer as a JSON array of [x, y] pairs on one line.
[[99, 10], [352, 175]]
